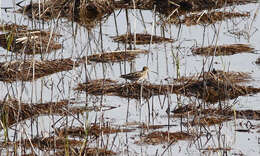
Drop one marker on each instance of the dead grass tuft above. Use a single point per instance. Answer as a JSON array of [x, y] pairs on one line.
[[207, 18], [160, 137], [46, 143], [211, 87], [223, 50], [128, 90], [211, 116], [86, 13], [29, 42], [12, 27], [88, 151], [94, 130], [231, 76], [182, 7], [14, 111], [141, 39], [115, 56], [213, 90], [31, 69]]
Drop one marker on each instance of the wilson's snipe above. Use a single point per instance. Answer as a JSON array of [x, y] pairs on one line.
[[137, 76]]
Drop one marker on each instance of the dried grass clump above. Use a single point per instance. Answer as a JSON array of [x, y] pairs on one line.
[[213, 90], [181, 7], [230, 76], [141, 39], [208, 120], [208, 18], [48, 9], [138, 4], [148, 127], [95, 130], [30, 41], [208, 149], [138, 90], [212, 87], [178, 7], [86, 13], [215, 86], [215, 114], [12, 107], [129, 90], [14, 111], [87, 151], [160, 137], [115, 56], [98, 87], [46, 143], [223, 50], [92, 12], [29, 70], [12, 27]]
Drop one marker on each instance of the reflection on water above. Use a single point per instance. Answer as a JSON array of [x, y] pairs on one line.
[[167, 114]]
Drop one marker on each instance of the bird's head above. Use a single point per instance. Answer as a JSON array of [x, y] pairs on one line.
[[145, 68]]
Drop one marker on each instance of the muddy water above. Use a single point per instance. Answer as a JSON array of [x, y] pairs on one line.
[[78, 42]]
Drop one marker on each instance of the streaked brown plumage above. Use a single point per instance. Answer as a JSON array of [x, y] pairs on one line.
[[137, 76]]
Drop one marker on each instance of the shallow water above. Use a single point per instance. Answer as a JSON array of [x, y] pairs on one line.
[[77, 41]]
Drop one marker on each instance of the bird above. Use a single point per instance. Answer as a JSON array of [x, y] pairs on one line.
[[137, 76]]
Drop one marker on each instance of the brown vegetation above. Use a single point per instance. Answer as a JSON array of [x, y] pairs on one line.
[[115, 56], [88, 151], [86, 13], [159, 137], [98, 87], [141, 39], [211, 87], [207, 18], [14, 111], [222, 50], [29, 41], [181, 7], [213, 90], [12, 27], [231, 76], [224, 114], [46, 143], [95, 130], [90, 13], [128, 90], [29, 70]]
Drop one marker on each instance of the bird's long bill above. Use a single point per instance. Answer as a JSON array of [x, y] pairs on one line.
[[154, 72]]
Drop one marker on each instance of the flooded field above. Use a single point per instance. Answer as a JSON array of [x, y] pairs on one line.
[[130, 77]]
